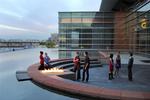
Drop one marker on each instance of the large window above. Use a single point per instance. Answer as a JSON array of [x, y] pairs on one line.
[[138, 28], [86, 30]]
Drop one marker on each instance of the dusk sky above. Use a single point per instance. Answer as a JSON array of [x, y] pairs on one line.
[[36, 19]]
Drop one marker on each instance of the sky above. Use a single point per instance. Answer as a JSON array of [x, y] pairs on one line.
[[37, 19]]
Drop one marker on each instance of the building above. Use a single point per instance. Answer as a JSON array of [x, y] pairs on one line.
[[131, 28], [88, 31], [119, 25]]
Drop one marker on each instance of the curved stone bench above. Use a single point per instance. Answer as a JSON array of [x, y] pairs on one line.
[[60, 62], [82, 89], [68, 63]]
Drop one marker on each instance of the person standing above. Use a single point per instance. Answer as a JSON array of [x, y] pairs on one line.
[[47, 60], [117, 64], [130, 65], [111, 67], [41, 61], [76, 62], [86, 67]]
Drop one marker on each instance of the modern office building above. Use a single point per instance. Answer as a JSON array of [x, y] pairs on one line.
[[132, 29], [88, 31], [119, 25]]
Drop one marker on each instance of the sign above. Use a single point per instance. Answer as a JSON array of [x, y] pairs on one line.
[[144, 23]]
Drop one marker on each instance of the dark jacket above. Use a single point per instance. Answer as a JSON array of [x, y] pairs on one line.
[[87, 61], [130, 63]]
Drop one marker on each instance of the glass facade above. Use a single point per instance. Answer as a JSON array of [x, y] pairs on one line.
[[105, 31], [90, 31], [137, 27]]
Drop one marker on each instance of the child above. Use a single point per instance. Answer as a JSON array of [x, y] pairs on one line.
[[47, 60]]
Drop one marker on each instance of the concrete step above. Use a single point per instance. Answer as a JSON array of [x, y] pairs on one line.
[[66, 65], [91, 66], [72, 64], [55, 64], [22, 76]]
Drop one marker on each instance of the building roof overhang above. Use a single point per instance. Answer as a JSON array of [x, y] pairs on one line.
[[116, 5]]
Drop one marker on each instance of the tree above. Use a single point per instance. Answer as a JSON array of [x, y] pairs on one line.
[[50, 44]]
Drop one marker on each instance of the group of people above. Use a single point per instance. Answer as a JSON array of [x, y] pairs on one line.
[[77, 67], [44, 59], [117, 65]]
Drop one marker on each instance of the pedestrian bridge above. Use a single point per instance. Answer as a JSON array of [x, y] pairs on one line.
[[19, 43]]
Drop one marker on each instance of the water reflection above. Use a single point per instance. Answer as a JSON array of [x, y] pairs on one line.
[[11, 89]]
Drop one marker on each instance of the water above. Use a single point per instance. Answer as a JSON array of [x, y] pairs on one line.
[[11, 89], [10, 49]]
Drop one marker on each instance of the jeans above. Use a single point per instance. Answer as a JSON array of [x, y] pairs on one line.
[[87, 74], [77, 73], [130, 74]]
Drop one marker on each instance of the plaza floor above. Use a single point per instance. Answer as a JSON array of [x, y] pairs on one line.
[[141, 78], [141, 75]]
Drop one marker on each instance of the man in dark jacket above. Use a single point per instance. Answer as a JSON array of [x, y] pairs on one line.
[[86, 67], [130, 64]]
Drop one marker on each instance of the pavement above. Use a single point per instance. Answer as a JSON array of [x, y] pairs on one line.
[[141, 78], [141, 75]]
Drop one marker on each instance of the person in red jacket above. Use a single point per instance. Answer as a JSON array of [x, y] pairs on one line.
[[111, 67], [76, 62], [41, 61]]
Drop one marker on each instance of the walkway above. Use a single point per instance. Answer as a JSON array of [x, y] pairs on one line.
[[141, 78]]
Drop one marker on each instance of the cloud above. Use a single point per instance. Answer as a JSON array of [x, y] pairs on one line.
[[22, 17], [18, 29], [10, 13], [82, 5], [52, 26]]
